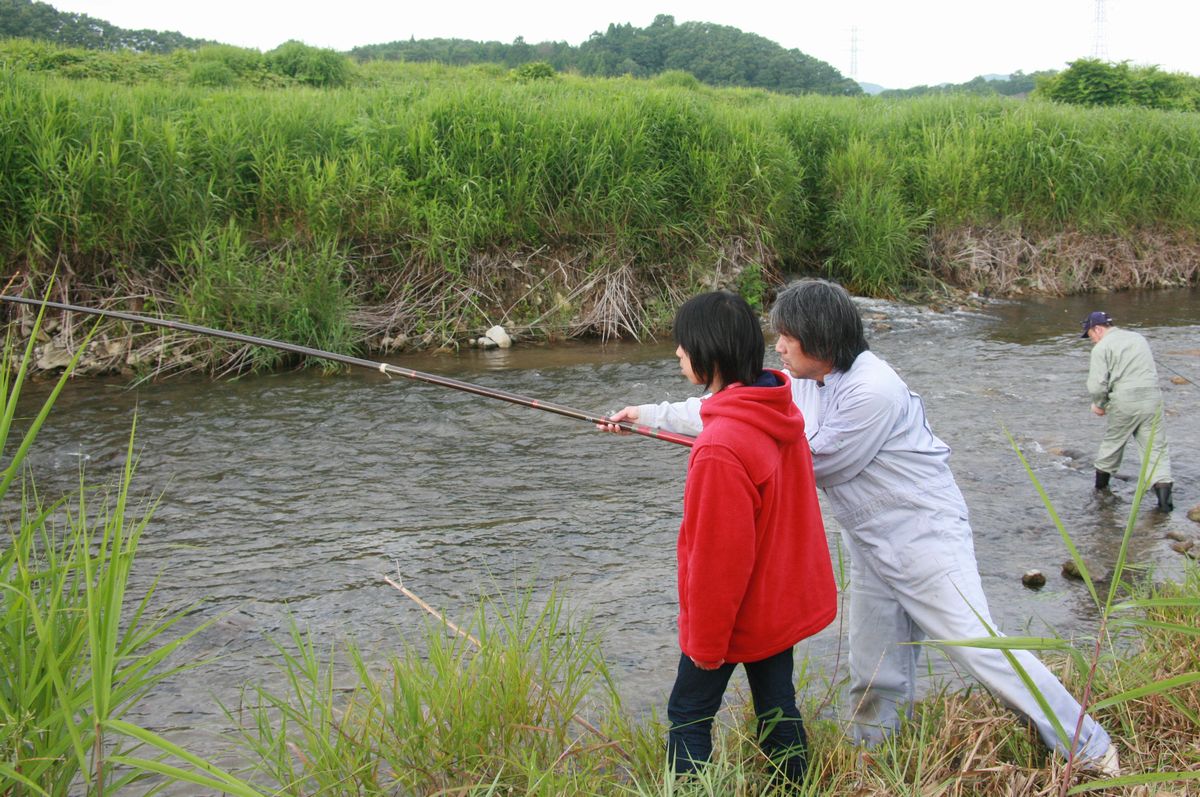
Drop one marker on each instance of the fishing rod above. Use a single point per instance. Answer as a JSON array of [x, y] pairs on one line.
[[384, 368]]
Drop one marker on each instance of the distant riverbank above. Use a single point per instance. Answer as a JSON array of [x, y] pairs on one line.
[[420, 212]]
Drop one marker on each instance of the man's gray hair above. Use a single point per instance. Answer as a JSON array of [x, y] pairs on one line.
[[823, 318]]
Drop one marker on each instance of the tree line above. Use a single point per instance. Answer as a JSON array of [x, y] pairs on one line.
[[1018, 84], [1086, 81], [29, 19], [718, 55]]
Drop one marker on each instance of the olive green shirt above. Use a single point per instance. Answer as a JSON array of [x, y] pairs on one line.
[[1122, 372]]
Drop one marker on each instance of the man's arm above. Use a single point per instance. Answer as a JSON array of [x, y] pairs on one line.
[[851, 434], [1099, 374]]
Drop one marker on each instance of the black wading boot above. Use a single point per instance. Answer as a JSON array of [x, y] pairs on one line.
[[1162, 491], [1102, 480]]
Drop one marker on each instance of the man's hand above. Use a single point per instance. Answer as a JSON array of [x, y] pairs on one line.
[[627, 414], [1097, 410]]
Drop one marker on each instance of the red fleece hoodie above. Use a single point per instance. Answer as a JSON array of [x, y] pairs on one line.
[[754, 570]]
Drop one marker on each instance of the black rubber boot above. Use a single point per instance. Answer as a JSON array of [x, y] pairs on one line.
[[1162, 491], [1102, 480]]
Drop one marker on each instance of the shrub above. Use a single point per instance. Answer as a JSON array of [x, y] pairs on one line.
[[312, 66], [212, 73], [677, 79], [534, 70]]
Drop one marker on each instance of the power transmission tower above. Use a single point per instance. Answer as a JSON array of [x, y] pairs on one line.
[[854, 52], [1099, 44]]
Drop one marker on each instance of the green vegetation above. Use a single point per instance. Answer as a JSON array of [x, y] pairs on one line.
[[526, 706], [1018, 84], [1089, 81], [717, 55], [424, 203], [76, 650], [34, 20]]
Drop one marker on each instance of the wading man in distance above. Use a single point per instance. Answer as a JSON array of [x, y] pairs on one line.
[[913, 574], [1123, 383]]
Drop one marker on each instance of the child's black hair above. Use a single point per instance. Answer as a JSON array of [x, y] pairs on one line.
[[721, 336]]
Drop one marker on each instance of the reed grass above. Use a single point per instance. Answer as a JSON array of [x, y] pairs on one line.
[[77, 651], [500, 718], [423, 177]]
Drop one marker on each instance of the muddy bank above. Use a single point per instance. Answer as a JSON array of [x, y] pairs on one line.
[[540, 297]]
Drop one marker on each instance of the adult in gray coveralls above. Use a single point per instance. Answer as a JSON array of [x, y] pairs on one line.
[[913, 574], [1123, 383]]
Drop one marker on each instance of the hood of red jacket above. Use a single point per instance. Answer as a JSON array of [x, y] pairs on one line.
[[766, 405]]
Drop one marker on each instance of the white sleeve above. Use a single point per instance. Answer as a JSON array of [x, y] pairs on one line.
[[852, 434], [681, 417]]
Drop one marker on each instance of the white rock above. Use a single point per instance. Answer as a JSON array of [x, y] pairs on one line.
[[50, 357], [486, 343], [498, 335]]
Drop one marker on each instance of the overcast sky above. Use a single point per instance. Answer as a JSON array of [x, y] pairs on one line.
[[900, 43]]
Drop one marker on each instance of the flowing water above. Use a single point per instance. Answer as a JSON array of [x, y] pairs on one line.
[[292, 495]]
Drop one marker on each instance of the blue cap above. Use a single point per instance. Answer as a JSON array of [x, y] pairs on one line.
[[1096, 319]]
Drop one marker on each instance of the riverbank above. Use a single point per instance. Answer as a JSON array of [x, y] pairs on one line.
[[420, 208], [588, 310]]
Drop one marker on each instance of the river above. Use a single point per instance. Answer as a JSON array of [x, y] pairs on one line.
[[292, 495]]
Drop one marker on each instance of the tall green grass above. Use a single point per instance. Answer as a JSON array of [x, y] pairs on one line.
[[505, 711], [429, 171], [77, 651]]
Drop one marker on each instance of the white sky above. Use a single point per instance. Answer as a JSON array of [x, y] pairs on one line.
[[901, 43]]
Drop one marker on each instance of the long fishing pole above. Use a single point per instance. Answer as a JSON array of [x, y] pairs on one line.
[[383, 368]]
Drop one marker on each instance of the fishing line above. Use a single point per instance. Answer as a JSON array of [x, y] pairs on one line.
[[1181, 376], [384, 368]]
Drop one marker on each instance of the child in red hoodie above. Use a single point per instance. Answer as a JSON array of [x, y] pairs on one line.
[[754, 571]]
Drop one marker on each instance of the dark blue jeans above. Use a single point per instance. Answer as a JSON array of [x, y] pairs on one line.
[[696, 698]]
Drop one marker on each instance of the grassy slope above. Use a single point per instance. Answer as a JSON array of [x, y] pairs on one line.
[[422, 204]]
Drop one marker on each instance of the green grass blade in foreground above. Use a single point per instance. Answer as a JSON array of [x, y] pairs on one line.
[[1017, 643], [1138, 494], [205, 774], [1158, 603], [1144, 779], [1076, 557], [1006, 646], [12, 389], [1186, 630], [14, 467], [1155, 688]]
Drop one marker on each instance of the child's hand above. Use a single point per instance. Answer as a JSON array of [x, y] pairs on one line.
[[707, 665], [627, 414]]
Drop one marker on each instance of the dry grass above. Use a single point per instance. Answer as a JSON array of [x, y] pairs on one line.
[[1007, 262]]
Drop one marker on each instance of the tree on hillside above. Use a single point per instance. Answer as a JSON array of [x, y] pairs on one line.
[[715, 54], [34, 20]]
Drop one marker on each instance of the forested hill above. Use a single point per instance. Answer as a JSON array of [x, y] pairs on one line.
[[32, 20], [715, 54]]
